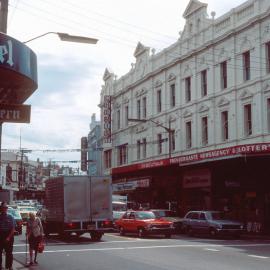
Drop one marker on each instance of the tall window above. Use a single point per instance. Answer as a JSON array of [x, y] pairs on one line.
[[204, 131], [172, 95], [159, 101], [138, 109], [204, 83], [159, 143], [144, 153], [108, 159], [144, 107], [126, 116], [267, 48], [223, 75], [138, 149], [172, 141], [188, 135], [224, 126], [246, 65], [188, 88], [247, 120], [268, 114], [122, 154], [118, 119]]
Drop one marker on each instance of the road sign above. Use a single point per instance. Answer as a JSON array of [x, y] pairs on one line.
[[15, 113]]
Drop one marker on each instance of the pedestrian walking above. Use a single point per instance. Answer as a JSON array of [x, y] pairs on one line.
[[34, 233], [7, 227]]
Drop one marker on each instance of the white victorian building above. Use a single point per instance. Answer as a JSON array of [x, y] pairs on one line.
[[191, 124]]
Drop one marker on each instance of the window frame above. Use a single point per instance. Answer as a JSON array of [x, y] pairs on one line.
[[188, 134], [224, 125], [246, 66], [204, 123], [204, 83], [224, 75], [248, 120], [188, 89]]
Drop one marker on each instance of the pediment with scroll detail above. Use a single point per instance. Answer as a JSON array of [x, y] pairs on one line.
[[187, 113], [192, 7], [140, 49], [203, 108], [223, 102], [246, 94]]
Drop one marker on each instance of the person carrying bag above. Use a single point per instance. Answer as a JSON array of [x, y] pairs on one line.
[[34, 233]]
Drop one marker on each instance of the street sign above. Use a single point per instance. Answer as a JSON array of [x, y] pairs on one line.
[[15, 113]]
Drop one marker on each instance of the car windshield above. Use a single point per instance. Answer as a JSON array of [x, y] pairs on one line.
[[14, 213], [216, 215], [164, 213], [145, 215]]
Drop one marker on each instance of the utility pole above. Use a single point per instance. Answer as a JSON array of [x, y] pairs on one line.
[[3, 28]]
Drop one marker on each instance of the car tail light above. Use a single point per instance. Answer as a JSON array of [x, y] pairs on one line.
[[70, 225], [107, 223]]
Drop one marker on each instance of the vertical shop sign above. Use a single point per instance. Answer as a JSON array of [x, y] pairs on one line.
[[107, 119]]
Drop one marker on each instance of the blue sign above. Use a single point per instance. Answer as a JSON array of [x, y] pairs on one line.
[[18, 70]]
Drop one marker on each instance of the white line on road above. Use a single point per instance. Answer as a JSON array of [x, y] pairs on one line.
[[146, 247], [259, 257], [211, 249]]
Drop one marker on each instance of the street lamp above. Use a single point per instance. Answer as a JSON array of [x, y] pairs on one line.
[[168, 129], [63, 37], [67, 37]]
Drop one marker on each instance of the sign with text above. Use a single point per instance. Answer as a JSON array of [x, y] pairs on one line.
[[15, 113], [107, 119]]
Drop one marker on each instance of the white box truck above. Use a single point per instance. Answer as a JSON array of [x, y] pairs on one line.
[[78, 204]]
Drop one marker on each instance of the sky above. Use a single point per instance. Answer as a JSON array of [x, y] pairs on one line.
[[70, 74]]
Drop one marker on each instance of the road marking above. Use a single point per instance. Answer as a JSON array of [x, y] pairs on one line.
[[146, 247], [259, 257], [211, 249]]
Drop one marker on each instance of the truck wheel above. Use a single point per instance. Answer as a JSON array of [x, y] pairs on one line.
[[168, 235], [96, 236], [213, 232]]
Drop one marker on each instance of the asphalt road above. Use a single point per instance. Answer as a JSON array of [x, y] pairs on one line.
[[153, 253]]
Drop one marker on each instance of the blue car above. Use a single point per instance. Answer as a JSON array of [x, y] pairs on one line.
[[211, 222]]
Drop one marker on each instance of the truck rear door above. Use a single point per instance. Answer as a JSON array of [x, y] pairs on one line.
[[76, 198], [101, 198]]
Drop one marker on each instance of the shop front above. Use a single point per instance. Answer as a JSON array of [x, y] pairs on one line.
[[234, 180]]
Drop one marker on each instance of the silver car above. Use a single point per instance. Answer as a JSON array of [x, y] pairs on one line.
[[211, 222]]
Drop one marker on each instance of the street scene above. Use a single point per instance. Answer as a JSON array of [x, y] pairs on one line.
[[130, 252], [134, 134]]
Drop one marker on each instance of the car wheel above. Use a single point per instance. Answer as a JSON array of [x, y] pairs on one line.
[[213, 232], [189, 231], [141, 232], [168, 235], [121, 231]]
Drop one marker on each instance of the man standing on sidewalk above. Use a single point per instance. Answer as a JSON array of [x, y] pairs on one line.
[[7, 226]]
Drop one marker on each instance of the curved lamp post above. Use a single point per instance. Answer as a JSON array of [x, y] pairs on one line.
[[63, 37], [67, 37]]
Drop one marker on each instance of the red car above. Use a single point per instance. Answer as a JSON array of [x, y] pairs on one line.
[[144, 223]]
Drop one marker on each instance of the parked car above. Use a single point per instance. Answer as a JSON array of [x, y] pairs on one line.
[[170, 216], [144, 223], [211, 222], [18, 219]]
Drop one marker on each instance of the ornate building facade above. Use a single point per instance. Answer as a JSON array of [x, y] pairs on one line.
[[190, 125]]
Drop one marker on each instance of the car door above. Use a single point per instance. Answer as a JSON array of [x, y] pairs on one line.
[[202, 223], [194, 222], [124, 221], [132, 225]]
